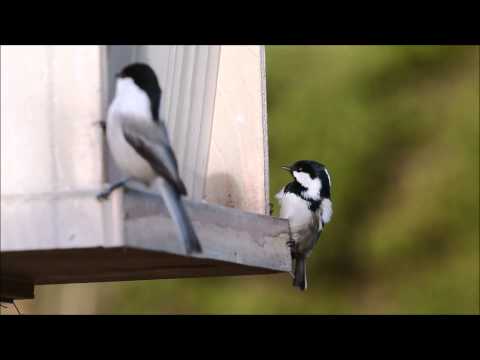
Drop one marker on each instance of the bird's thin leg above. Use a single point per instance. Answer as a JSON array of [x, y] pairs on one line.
[[293, 248], [291, 243], [293, 253], [106, 193]]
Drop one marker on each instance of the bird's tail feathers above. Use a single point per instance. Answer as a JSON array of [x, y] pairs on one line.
[[300, 275], [180, 217]]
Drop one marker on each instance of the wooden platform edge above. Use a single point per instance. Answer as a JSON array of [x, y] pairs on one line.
[[235, 243], [226, 234]]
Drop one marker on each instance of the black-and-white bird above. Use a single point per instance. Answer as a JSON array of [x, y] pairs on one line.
[[306, 203], [140, 146]]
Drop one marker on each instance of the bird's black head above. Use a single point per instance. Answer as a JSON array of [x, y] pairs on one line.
[[312, 168], [145, 78], [310, 174]]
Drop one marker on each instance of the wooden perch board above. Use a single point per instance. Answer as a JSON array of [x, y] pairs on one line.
[[141, 243]]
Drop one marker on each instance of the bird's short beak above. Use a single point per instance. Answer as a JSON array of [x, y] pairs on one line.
[[288, 168], [117, 75]]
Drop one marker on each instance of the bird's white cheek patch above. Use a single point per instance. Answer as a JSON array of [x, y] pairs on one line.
[[302, 178], [312, 185], [131, 100]]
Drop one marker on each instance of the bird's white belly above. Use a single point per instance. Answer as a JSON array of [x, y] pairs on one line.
[[296, 210], [126, 158], [304, 225]]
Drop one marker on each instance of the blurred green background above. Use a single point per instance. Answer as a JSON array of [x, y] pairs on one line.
[[398, 128]]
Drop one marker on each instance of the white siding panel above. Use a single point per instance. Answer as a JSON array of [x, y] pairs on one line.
[[51, 99], [238, 159], [25, 120], [50, 144]]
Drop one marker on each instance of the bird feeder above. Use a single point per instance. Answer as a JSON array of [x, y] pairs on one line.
[[54, 160]]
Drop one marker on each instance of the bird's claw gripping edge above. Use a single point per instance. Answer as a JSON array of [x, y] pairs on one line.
[[271, 208], [102, 124], [293, 248], [105, 194], [291, 245]]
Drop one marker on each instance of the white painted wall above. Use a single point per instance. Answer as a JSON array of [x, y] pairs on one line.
[[237, 174], [51, 148], [50, 99]]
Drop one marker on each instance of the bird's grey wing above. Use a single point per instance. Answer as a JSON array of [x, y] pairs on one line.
[[151, 143], [164, 139]]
